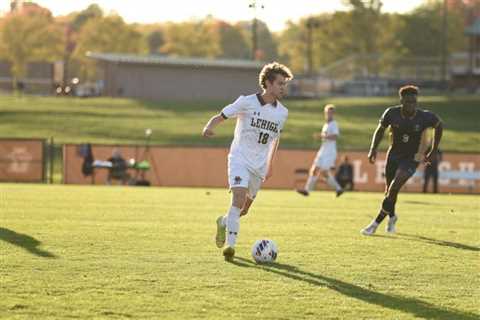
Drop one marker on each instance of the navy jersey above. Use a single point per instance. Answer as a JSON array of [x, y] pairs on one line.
[[408, 134]]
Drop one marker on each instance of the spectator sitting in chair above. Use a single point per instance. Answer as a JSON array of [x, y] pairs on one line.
[[119, 168], [344, 174]]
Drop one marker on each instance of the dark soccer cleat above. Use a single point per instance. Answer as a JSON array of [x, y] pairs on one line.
[[303, 192], [229, 253], [340, 192]]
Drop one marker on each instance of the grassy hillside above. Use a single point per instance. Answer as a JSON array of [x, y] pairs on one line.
[[106, 120], [149, 253]]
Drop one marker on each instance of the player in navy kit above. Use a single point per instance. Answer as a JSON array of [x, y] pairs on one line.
[[408, 128]]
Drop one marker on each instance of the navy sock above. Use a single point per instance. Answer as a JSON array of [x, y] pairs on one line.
[[380, 217], [388, 206], [391, 214]]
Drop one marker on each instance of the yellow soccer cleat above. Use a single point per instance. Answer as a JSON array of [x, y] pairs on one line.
[[220, 237], [228, 253]]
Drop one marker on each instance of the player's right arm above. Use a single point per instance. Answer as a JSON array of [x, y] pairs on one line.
[[208, 130], [232, 110], [378, 135]]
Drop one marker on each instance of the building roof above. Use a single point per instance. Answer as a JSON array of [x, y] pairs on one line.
[[474, 29], [164, 60]]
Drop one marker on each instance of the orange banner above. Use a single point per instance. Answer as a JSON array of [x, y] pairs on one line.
[[21, 160], [207, 167]]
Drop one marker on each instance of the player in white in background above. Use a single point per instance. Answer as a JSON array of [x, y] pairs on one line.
[[260, 119], [326, 156]]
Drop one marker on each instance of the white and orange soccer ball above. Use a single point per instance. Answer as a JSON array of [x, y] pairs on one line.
[[264, 250]]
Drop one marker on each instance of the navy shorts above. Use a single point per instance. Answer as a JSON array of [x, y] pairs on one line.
[[395, 162]]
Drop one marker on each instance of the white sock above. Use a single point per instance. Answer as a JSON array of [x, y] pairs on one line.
[[233, 225], [224, 220], [311, 182], [333, 183]]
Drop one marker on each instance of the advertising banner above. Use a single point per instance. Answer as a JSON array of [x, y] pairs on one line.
[[22, 160], [207, 167]]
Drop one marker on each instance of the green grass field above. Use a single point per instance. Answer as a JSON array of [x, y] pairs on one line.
[[114, 252], [106, 120]]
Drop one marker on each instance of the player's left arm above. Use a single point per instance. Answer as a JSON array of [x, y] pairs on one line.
[[208, 130], [271, 157], [437, 136], [332, 136]]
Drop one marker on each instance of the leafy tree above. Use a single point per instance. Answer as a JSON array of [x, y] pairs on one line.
[[266, 44], [232, 41], [423, 31], [72, 24], [155, 41], [379, 41], [292, 47], [192, 39], [29, 37], [108, 34], [91, 12]]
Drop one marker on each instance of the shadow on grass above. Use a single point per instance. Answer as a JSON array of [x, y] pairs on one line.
[[25, 241], [419, 202], [418, 308], [412, 237]]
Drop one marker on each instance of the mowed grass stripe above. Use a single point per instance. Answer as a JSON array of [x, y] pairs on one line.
[[123, 121]]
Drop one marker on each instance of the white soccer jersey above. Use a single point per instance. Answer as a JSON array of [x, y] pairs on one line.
[[258, 125], [329, 146]]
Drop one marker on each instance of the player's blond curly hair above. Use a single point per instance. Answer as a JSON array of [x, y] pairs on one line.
[[328, 107], [269, 71]]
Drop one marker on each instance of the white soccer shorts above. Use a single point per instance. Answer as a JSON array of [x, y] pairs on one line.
[[325, 161], [240, 176]]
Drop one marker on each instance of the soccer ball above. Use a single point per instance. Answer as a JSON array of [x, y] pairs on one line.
[[264, 251]]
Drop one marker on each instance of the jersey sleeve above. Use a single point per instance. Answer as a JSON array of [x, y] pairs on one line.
[[235, 108], [386, 118], [431, 119]]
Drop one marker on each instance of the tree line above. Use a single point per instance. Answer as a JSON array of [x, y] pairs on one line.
[[310, 44]]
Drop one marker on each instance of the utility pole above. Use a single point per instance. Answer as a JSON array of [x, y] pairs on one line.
[[311, 24], [444, 61], [254, 6]]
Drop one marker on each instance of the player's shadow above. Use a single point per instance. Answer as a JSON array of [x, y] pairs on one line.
[[24, 241], [444, 243], [418, 308], [419, 202]]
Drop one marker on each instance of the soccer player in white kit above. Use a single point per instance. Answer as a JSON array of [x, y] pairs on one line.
[[260, 119], [326, 156]]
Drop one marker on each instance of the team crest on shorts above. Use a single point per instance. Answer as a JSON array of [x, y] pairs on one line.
[[237, 180]]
